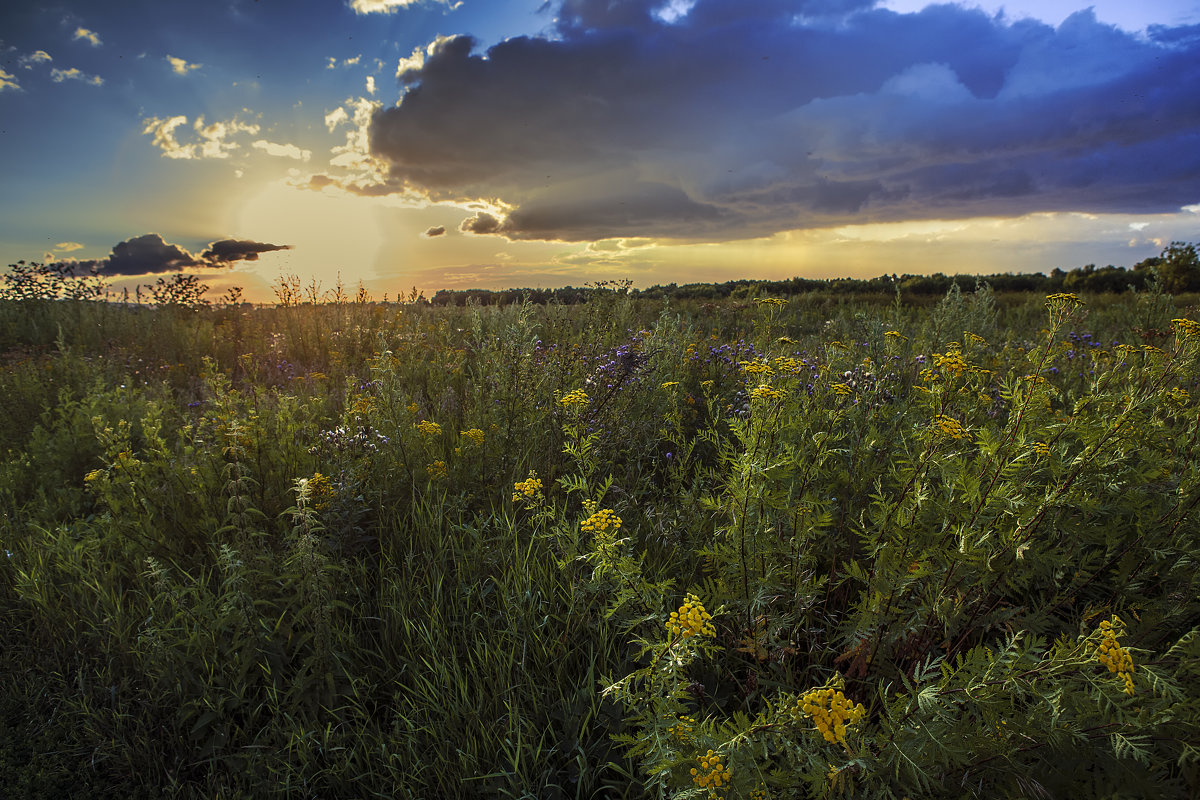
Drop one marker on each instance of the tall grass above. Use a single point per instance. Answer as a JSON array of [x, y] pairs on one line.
[[278, 551]]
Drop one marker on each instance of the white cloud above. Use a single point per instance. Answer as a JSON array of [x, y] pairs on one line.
[[180, 66], [8, 81], [68, 247], [213, 139], [73, 74], [380, 6], [355, 153], [281, 150], [335, 118], [362, 172], [36, 57], [332, 62], [674, 10], [412, 64], [90, 37], [370, 84], [164, 136]]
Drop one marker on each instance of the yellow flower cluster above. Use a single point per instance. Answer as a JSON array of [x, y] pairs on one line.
[[894, 335], [601, 521], [950, 427], [841, 389], [668, 384], [320, 491], [683, 729], [831, 711], [362, 404], [436, 470], [974, 338], [691, 620], [787, 364], [429, 428], [765, 392], [756, 368], [759, 793], [529, 488], [778, 302], [1066, 298], [950, 363], [1112, 655], [413, 408], [711, 773], [1179, 396], [1187, 327], [1041, 449], [577, 397], [475, 435]]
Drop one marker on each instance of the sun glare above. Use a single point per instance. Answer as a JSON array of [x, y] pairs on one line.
[[329, 234]]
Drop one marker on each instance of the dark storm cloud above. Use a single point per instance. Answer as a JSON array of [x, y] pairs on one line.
[[149, 254], [480, 222], [437, 230], [227, 250], [145, 254], [746, 117]]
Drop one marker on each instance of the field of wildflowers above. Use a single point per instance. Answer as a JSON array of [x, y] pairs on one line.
[[785, 547]]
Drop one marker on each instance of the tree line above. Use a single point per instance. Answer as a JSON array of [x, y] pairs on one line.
[[1177, 268]]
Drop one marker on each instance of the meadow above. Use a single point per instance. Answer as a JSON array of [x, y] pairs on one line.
[[764, 547]]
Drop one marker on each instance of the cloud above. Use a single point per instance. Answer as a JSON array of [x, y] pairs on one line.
[[370, 84], [481, 222], [8, 81], [36, 57], [150, 254], [213, 140], [73, 74], [437, 230], [282, 150], [163, 131], [332, 62], [91, 37], [335, 118], [68, 247], [389, 6], [146, 254], [181, 67], [228, 250], [740, 118], [359, 170]]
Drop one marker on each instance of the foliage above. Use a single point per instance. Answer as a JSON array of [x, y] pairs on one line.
[[623, 548]]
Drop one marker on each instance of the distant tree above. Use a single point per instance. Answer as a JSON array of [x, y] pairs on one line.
[[1178, 267]]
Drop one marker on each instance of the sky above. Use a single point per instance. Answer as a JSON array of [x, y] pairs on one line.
[[536, 143]]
